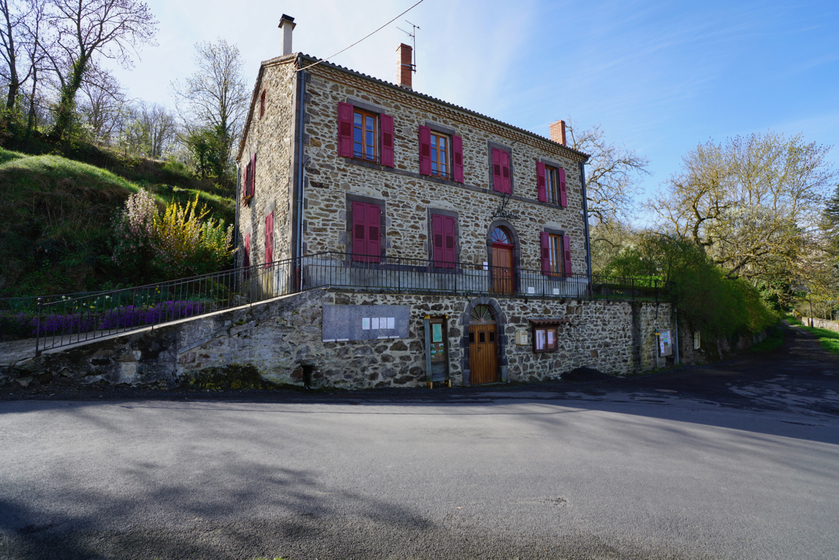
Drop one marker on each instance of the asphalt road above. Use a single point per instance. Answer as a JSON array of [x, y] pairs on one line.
[[738, 460]]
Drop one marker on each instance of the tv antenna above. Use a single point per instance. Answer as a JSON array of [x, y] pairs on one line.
[[413, 35]]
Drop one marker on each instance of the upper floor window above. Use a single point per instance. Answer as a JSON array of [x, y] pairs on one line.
[[550, 182], [249, 180], [441, 154], [365, 135], [262, 103]]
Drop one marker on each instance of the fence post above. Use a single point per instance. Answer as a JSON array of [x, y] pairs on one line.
[[38, 331]]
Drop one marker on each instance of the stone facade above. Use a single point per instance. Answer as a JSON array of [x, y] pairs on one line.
[[407, 198], [282, 340]]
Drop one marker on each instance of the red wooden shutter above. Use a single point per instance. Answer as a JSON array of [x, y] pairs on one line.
[[540, 182], [366, 236], [496, 170], [269, 238], [424, 150], [445, 243], [566, 252], [457, 159], [374, 238], [505, 171], [246, 257], [345, 116], [386, 128], [545, 242], [563, 195]]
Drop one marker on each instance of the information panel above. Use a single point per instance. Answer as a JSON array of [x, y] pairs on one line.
[[364, 322]]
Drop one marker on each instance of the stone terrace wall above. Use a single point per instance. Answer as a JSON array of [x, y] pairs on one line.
[[282, 339]]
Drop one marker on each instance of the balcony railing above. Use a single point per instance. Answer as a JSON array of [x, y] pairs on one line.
[[65, 321]]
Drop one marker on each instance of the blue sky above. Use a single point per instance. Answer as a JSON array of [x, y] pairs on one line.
[[659, 77]]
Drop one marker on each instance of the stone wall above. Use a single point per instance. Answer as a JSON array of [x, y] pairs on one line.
[[820, 323], [282, 340]]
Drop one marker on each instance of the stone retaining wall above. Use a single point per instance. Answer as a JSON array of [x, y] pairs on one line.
[[820, 323], [282, 339]]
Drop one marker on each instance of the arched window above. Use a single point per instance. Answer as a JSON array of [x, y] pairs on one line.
[[481, 314], [500, 236]]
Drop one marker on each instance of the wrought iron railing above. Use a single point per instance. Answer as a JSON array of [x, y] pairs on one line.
[[65, 321]]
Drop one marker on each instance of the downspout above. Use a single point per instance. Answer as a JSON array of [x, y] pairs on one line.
[[585, 225], [297, 244], [236, 221]]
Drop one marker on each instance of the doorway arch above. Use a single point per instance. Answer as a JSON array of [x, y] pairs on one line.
[[504, 255], [484, 342]]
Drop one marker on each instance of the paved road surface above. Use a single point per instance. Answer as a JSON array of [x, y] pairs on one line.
[[735, 461]]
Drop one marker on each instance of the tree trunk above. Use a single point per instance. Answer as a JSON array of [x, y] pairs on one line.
[[67, 102]]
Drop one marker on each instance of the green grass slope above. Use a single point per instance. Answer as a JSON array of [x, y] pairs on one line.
[[56, 220]]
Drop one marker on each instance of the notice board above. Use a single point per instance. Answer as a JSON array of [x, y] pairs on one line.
[[364, 322]]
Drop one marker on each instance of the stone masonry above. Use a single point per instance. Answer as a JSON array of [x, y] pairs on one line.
[[282, 340]]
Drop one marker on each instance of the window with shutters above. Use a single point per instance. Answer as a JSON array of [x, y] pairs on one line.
[[443, 240], [440, 154], [262, 100], [501, 171], [366, 232], [551, 184], [556, 254], [365, 135]]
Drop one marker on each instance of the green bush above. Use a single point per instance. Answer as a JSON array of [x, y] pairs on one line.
[[701, 292]]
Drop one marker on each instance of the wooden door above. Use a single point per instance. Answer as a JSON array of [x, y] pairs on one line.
[[483, 349], [502, 269]]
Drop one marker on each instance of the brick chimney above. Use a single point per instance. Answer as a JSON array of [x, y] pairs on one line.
[[558, 132], [287, 26], [404, 66]]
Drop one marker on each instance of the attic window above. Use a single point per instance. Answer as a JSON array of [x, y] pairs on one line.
[[262, 103]]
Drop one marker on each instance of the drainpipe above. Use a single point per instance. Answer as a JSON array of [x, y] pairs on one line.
[[297, 244], [585, 225], [236, 222]]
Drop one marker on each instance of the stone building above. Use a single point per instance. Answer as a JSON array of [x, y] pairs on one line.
[[451, 245]]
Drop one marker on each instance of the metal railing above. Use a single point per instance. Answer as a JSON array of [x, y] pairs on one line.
[[70, 320]]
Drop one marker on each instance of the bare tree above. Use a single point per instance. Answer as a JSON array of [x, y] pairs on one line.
[[102, 105], [150, 130], [86, 29], [612, 174], [753, 202], [10, 44], [215, 97]]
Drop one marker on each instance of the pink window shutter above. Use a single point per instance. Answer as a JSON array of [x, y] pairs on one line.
[[449, 245], [563, 193], [496, 170], [540, 182], [566, 252], [545, 243], [457, 159], [505, 171], [386, 128], [345, 117], [374, 239], [246, 257], [424, 150], [359, 230]]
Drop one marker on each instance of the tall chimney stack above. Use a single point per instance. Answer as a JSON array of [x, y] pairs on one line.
[[558, 132], [287, 26], [405, 66]]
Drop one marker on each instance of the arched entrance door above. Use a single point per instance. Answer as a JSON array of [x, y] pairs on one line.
[[502, 261], [483, 346]]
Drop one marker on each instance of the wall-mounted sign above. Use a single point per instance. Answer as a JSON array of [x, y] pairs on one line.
[[365, 322]]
